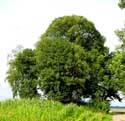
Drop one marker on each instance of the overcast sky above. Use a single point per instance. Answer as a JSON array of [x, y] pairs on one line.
[[23, 21]]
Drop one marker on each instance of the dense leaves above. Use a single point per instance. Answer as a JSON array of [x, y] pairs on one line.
[[80, 31], [22, 74], [117, 67], [76, 29], [117, 64], [63, 69]]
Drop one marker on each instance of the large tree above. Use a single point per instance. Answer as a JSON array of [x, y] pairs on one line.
[[63, 69], [69, 63], [80, 31], [22, 74]]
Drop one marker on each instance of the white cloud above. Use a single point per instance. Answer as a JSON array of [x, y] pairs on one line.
[[23, 21]]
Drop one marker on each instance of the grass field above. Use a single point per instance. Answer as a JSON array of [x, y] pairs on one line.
[[43, 110]]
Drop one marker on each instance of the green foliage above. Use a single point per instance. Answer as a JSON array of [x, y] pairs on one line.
[[43, 110], [121, 4], [76, 29], [99, 74], [63, 70], [117, 64], [69, 63], [22, 74], [121, 35], [103, 105], [82, 32]]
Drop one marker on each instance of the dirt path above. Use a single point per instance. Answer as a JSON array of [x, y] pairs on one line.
[[118, 117]]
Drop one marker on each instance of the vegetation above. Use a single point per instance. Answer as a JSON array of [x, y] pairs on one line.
[[22, 74], [80, 31], [76, 29], [121, 4], [42, 110], [63, 69], [117, 63], [69, 64]]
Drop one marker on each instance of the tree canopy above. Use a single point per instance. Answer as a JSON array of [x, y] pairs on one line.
[[82, 32], [117, 64], [69, 63], [22, 74], [76, 29], [63, 69]]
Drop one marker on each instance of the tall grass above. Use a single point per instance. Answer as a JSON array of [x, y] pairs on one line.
[[43, 110]]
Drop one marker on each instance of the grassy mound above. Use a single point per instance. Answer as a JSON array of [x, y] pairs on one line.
[[43, 110]]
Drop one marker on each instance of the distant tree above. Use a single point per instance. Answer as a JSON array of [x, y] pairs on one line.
[[117, 64], [121, 4], [121, 35], [117, 61], [21, 74]]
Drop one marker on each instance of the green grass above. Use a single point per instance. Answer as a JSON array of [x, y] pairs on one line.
[[43, 110]]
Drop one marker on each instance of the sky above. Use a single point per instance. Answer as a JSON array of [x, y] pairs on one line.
[[22, 22]]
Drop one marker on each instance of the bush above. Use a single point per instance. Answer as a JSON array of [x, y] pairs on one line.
[[100, 105]]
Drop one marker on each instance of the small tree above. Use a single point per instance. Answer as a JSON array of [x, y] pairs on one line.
[[22, 74]]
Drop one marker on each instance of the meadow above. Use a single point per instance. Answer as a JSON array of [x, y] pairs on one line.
[[43, 110]]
